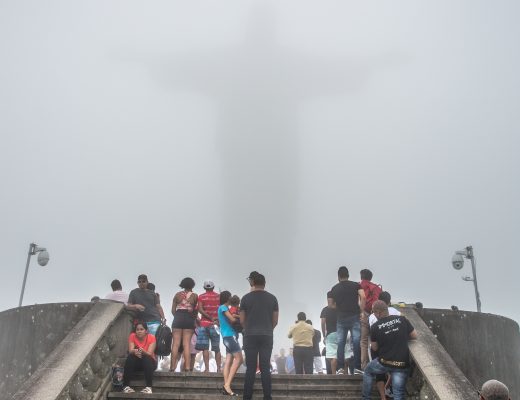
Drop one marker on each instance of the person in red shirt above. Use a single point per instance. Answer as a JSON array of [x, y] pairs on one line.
[[372, 292], [208, 305], [141, 356]]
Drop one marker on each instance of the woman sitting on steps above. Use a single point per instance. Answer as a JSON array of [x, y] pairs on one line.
[[141, 356]]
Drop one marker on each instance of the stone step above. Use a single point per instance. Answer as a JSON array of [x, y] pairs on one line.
[[217, 377], [280, 382], [281, 389], [189, 386], [194, 396]]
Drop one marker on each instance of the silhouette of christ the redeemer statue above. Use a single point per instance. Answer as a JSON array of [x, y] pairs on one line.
[[258, 89]]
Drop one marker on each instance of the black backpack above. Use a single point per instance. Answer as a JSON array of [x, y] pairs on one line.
[[163, 337]]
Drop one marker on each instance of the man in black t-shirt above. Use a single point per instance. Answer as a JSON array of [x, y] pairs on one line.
[[389, 337], [329, 318], [349, 298], [258, 316]]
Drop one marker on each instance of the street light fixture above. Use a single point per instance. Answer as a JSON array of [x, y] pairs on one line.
[[458, 262], [43, 259]]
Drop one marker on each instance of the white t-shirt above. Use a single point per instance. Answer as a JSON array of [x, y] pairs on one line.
[[118, 295], [391, 311]]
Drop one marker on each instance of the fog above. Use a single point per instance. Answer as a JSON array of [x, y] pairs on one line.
[[209, 139]]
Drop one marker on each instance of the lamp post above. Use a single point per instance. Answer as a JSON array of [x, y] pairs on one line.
[[43, 259], [458, 262]]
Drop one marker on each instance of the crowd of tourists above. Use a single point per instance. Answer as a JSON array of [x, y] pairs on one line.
[[199, 323], [361, 332]]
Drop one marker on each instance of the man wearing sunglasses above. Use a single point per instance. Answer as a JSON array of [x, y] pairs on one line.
[[146, 305]]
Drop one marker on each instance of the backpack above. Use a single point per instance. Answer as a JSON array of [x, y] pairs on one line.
[[372, 292], [163, 338], [117, 377]]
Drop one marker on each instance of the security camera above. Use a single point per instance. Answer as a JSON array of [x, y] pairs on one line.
[[43, 258], [457, 261]]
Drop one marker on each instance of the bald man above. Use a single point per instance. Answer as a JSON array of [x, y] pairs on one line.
[[494, 390], [389, 337]]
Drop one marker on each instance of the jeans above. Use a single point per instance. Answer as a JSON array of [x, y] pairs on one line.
[[303, 360], [258, 347], [399, 377], [353, 325]]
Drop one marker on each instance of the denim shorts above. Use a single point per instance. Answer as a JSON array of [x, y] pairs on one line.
[[232, 346], [153, 326], [204, 336]]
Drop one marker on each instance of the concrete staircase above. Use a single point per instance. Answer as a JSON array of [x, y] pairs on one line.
[[173, 386], [78, 367]]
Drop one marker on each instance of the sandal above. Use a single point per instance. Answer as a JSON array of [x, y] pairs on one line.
[[226, 393]]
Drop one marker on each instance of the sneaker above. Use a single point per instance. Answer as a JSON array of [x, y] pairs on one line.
[[128, 389], [340, 371], [358, 372], [147, 390], [388, 393]]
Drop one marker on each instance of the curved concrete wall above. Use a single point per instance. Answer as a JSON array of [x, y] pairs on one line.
[[484, 346], [28, 335], [79, 367]]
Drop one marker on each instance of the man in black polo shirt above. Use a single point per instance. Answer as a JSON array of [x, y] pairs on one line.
[[389, 337], [350, 301], [258, 316]]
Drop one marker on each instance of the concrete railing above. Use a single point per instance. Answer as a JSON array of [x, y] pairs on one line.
[[484, 346], [28, 335], [445, 380], [79, 367]]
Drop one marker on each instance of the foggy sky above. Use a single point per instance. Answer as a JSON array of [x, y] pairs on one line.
[[208, 139]]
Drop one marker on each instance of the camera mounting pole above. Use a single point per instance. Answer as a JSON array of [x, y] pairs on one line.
[[43, 259], [468, 253]]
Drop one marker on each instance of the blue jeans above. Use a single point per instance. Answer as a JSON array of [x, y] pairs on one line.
[[399, 377], [353, 325]]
